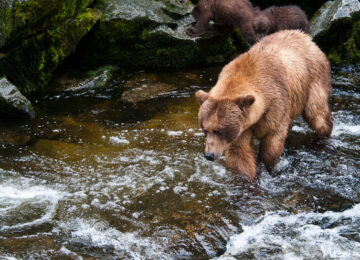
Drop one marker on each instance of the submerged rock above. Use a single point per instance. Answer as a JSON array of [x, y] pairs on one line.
[[12, 101], [146, 92], [150, 33], [145, 87], [336, 28]]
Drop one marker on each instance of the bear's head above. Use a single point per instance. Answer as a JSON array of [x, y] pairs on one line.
[[222, 120], [261, 25]]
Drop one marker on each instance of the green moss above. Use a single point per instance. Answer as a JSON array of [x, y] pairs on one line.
[[27, 18], [30, 65], [344, 47]]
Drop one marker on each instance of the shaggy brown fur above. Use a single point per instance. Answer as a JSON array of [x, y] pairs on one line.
[[259, 93], [228, 14], [276, 18]]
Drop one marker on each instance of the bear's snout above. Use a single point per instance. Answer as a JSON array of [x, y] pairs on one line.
[[210, 156]]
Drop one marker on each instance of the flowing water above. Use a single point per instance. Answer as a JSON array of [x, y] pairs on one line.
[[95, 177]]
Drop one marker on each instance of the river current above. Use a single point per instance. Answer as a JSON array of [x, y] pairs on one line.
[[94, 176]]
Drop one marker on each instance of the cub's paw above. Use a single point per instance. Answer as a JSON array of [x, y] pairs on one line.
[[190, 32]]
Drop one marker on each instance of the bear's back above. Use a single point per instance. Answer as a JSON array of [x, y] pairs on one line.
[[303, 63], [281, 67], [289, 17]]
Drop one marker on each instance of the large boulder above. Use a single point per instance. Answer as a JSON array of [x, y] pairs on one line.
[[21, 18], [150, 33], [37, 35], [30, 64], [13, 102], [336, 29]]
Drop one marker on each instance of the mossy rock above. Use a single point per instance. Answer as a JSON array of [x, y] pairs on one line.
[[31, 63], [150, 33], [336, 29], [20, 19]]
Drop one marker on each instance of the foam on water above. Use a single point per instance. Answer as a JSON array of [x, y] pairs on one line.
[[299, 129], [99, 234], [14, 195], [342, 128], [174, 133], [306, 235], [117, 140], [346, 122]]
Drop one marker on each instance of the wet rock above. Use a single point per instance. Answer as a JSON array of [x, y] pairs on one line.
[[97, 81], [76, 81], [12, 101], [320, 201], [150, 33], [336, 28], [13, 137]]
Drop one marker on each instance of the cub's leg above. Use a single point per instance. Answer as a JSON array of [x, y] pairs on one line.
[[241, 157], [196, 13], [247, 30], [200, 26], [271, 148], [317, 111]]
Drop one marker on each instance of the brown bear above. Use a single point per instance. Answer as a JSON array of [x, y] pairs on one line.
[[276, 18], [228, 14], [259, 94]]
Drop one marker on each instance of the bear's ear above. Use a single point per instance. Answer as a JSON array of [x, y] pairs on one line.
[[245, 101], [201, 96]]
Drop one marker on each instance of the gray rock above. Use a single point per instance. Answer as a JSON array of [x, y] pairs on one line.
[[92, 83], [333, 11], [12, 101], [170, 16], [151, 33]]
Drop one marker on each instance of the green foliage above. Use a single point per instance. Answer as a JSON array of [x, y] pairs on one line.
[[341, 42]]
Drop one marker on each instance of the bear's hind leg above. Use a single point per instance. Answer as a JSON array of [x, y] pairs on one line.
[[271, 148], [241, 157], [317, 111]]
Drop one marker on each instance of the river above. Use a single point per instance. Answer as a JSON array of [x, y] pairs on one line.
[[96, 177]]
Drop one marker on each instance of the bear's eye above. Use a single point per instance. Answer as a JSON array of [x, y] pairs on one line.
[[205, 132], [217, 132]]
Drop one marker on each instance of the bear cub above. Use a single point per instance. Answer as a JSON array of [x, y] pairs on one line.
[[259, 93], [276, 18], [228, 15]]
